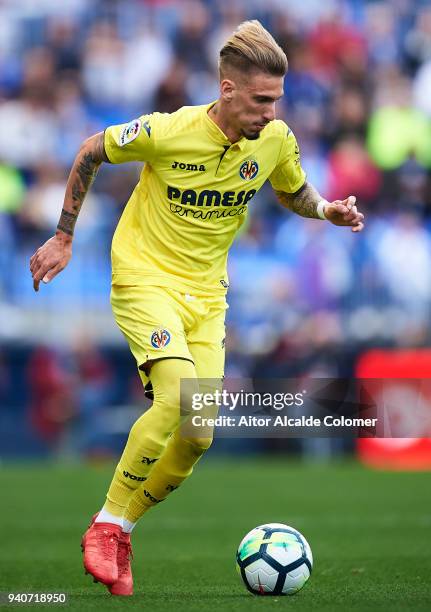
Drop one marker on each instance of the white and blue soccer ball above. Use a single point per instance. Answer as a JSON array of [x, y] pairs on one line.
[[274, 559]]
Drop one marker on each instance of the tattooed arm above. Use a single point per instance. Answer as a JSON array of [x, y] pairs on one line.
[[81, 177], [304, 202], [307, 202], [54, 255]]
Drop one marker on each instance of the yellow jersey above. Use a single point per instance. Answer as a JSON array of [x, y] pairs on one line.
[[192, 196]]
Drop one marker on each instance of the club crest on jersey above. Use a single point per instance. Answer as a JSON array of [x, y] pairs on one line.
[[249, 169], [160, 338], [130, 132]]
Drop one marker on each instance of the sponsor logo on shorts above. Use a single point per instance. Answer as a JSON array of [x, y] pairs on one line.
[[133, 476], [249, 169], [130, 132], [160, 338]]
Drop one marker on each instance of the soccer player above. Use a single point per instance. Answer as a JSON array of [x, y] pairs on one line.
[[203, 165]]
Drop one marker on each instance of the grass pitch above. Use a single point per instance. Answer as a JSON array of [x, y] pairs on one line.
[[370, 533]]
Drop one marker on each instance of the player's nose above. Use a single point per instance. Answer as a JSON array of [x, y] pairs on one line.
[[269, 114]]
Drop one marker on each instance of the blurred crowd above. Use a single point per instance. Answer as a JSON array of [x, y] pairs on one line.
[[357, 96]]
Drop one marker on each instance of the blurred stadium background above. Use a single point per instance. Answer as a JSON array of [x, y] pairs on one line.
[[306, 299]]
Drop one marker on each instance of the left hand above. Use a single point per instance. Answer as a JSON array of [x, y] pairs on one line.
[[345, 212], [51, 258]]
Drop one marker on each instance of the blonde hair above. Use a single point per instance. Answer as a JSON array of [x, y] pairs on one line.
[[251, 47]]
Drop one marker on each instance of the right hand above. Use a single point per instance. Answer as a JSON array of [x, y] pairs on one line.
[[50, 259], [345, 212]]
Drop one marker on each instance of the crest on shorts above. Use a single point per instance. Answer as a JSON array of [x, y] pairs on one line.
[[130, 132], [160, 338], [249, 169]]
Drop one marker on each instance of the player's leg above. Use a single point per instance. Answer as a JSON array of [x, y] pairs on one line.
[[145, 444], [149, 435], [175, 465], [151, 321], [187, 445]]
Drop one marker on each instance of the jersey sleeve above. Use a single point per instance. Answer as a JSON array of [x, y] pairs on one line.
[[288, 175], [133, 141]]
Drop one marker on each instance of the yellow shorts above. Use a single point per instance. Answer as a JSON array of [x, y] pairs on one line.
[[159, 322]]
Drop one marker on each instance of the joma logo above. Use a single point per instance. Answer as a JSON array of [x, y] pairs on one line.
[[190, 167], [133, 476], [151, 497]]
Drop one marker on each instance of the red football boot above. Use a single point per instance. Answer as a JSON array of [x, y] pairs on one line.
[[124, 584], [100, 547], [93, 518]]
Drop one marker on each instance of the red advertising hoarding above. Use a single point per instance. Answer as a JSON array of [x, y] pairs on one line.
[[402, 388]]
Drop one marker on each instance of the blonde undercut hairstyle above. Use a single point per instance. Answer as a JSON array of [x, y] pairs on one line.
[[252, 48]]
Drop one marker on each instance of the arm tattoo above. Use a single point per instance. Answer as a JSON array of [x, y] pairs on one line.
[[303, 202], [83, 173], [67, 222]]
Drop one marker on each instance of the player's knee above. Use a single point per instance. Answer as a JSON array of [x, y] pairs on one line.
[[200, 445], [189, 392], [154, 429], [176, 396]]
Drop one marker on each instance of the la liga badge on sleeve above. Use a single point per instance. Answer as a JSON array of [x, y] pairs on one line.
[[130, 132]]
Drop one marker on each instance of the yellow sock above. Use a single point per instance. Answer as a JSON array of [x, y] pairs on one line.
[[173, 467], [149, 435]]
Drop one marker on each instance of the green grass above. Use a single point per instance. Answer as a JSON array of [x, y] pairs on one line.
[[370, 533]]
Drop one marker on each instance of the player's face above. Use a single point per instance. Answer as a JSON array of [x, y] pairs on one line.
[[252, 103]]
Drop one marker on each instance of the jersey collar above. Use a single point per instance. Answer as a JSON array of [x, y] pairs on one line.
[[217, 134]]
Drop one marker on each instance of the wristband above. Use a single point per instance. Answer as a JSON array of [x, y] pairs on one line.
[[321, 209]]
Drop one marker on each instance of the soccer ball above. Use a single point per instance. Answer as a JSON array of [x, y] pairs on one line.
[[274, 559]]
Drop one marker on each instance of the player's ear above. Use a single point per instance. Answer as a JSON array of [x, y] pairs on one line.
[[227, 88]]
